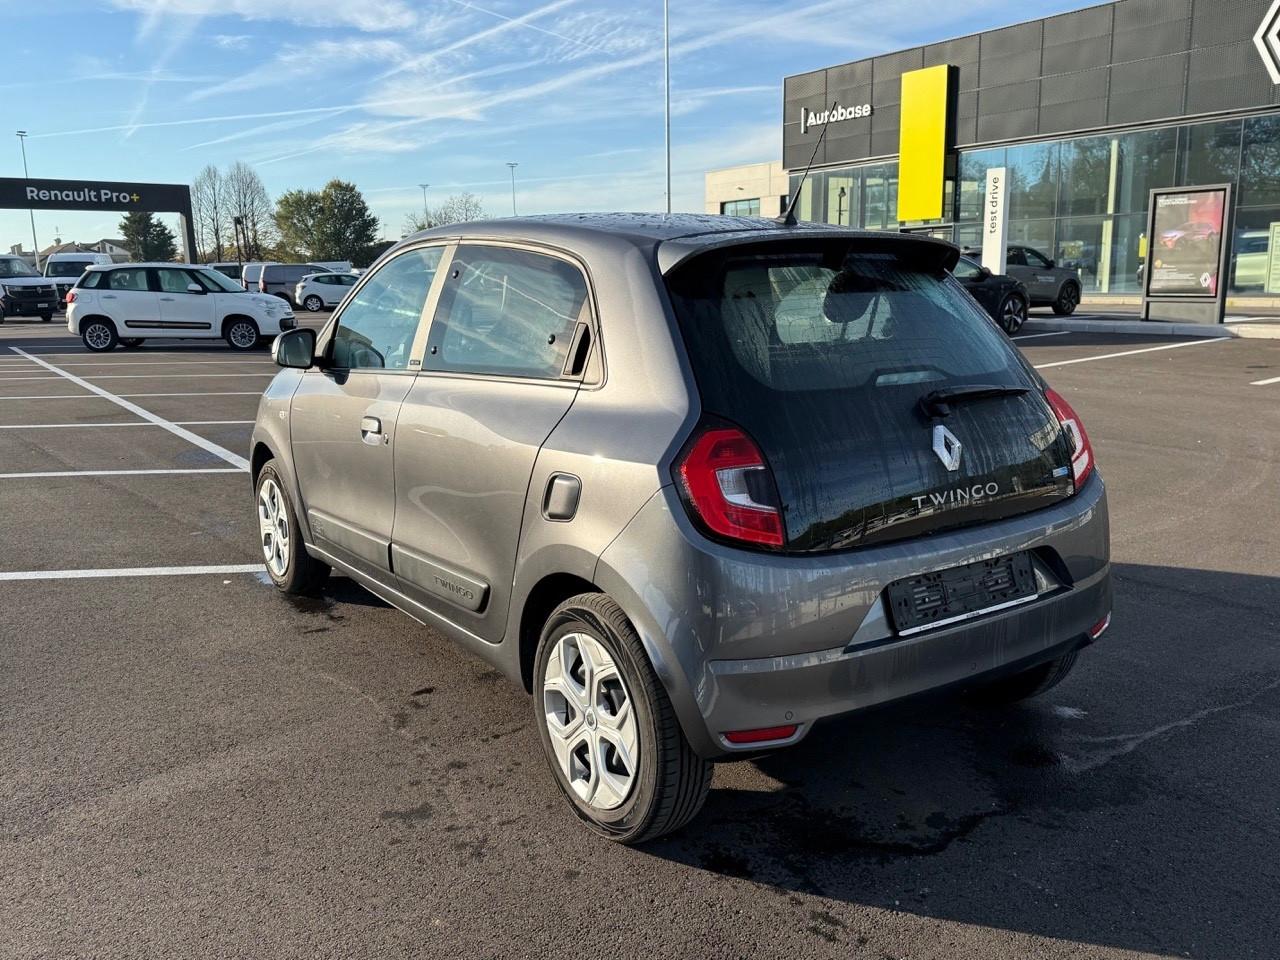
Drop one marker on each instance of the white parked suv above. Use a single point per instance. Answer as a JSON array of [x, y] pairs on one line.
[[127, 303], [64, 269], [320, 290]]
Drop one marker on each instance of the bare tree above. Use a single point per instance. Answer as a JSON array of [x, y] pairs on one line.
[[209, 210], [248, 200], [459, 208]]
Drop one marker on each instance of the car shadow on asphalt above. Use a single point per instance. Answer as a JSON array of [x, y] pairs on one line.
[[1113, 810]]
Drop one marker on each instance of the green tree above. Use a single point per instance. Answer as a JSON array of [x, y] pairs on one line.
[[330, 224], [146, 238]]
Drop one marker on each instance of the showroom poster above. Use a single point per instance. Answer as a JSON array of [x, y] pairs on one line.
[[1273, 259], [1188, 243], [1188, 253]]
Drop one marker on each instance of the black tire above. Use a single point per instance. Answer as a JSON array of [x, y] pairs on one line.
[[1068, 299], [312, 303], [1029, 683], [236, 331], [1012, 313], [671, 781], [132, 343], [303, 575], [99, 334], [46, 318]]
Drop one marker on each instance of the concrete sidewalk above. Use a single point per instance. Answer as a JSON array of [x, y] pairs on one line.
[[1088, 321]]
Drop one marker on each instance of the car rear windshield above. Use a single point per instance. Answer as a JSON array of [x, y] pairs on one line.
[[831, 318]]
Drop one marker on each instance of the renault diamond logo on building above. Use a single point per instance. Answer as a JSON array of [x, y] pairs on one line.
[[1267, 40], [947, 447]]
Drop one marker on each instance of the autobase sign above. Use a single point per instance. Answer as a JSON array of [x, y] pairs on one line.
[[22, 194]]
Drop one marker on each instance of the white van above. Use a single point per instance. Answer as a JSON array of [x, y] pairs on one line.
[[64, 269]]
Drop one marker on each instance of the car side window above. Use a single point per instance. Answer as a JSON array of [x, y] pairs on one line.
[[1016, 257], [376, 327], [91, 280], [135, 279], [174, 281], [506, 312], [1036, 260], [967, 269]]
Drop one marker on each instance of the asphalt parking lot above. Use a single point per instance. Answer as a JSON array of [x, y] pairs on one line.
[[193, 766]]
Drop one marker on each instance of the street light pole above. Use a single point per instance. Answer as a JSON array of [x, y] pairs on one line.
[[513, 186], [424, 200], [666, 83], [35, 244]]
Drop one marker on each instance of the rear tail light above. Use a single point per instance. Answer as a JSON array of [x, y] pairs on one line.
[[763, 734], [1081, 448], [71, 296], [728, 487]]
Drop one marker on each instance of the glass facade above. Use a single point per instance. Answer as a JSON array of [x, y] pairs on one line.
[[741, 208], [1083, 201]]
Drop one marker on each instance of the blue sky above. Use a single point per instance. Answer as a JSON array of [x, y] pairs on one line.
[[393, 93]]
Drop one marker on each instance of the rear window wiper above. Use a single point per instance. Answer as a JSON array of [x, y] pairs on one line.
[[938, 403]]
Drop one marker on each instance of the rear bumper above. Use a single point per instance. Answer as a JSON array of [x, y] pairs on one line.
[[744, 641]]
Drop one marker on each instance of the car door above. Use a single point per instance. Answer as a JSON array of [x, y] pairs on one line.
[[180, 309], [131, 302], [1043, 284], [979, 283], [344, 414], [340, 285], [493, 387]]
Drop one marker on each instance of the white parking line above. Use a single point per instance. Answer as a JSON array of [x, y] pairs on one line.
[[1036, 336], [1265, 383], [161, 376], [1130, 353], [64, 426], [57, 396], [229, 393], [208, 423], [114, 473], [207, 445], [131, 572]]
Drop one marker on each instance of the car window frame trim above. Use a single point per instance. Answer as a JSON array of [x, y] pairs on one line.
[[596, 348]]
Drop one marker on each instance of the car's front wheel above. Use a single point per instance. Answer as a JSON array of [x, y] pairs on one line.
[[99, 335], [1028, 683], [608, 729], [290, 567], [241, 333], [313, 303], [1013, 313], [1068, 300], [131, 343], [46, 318]]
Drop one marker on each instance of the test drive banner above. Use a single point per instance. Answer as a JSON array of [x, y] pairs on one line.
[[1187, 243], [17, 193]]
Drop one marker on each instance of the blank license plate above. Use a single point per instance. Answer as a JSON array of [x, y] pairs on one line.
[[917, 603]]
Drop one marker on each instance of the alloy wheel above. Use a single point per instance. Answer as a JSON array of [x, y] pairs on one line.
[[591, 722], [273, 526], [1013, 315], [242, 335], [313, 303], [98, 336]]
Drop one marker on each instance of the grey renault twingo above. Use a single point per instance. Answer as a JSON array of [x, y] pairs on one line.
[[695, 482]]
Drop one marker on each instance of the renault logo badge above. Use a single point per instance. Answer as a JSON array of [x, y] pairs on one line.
[[947, 447]]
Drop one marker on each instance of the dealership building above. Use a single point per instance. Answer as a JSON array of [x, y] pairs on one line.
[[1087, 112]]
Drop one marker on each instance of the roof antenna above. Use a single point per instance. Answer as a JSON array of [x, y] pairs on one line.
[[788, 218]]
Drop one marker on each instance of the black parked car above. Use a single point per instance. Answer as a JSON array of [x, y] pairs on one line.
[[1001, 296]]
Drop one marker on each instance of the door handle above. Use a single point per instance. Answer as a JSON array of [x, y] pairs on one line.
[[167, 299], [371, 432], [108, 296]]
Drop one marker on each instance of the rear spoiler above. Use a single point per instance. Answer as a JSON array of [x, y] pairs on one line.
[[926, 252]]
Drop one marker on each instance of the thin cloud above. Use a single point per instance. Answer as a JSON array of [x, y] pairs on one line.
[[366, 15]]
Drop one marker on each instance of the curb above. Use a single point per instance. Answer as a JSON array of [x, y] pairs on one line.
[[1155, 328]]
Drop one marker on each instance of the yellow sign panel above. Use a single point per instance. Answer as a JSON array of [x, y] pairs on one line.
[[922, 153]]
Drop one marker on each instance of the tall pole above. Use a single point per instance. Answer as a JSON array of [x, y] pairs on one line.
[[513, 186], [35, 244], [666, 83], [424, 199]]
